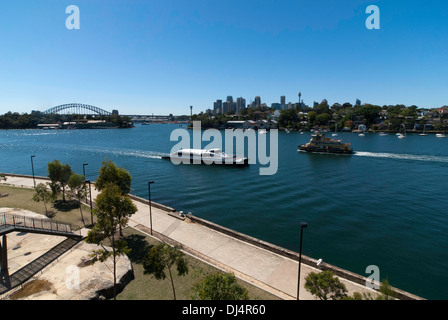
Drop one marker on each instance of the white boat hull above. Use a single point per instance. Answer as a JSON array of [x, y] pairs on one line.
[[208, 157]]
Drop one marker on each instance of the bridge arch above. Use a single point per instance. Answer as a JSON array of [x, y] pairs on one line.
[[77, 108]]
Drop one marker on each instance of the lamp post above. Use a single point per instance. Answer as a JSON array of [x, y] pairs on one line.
[[91, 204], [84, 169], [32, 167], [84, 173], [302, 226], [150, 210]]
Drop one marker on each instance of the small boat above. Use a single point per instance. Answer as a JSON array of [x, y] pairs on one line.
[[402, 135], [440, 135], [424, 132], [203, 156], [382, 134], [335, 134], [319, 143]]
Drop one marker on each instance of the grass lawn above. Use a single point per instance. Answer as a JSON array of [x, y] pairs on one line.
[[59, 211], [146, 287], [143, 287]]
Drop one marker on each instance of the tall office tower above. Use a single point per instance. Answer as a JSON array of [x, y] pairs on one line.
[[217, 107], [226, 107], [229, 99], [233, 107], [257, 101], [283, 101], [240, 104]]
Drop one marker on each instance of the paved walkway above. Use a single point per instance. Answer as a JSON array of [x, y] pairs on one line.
[[270, 271]]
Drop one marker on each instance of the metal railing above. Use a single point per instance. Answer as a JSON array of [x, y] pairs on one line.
[[10, 222]]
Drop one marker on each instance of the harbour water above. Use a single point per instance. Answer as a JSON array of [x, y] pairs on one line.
[[386, 205]]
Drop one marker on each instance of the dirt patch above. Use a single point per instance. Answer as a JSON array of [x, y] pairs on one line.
[[31, 288]]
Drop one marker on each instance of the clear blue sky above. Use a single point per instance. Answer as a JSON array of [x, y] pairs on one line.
[[144, 57]]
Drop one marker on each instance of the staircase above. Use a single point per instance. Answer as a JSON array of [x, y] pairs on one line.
[[27, 272], [20, 223]]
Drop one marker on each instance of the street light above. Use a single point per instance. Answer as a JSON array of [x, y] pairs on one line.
[[150, 210], [84, 173], [84, 169], [32, 167], [302, 226], [91, 204]]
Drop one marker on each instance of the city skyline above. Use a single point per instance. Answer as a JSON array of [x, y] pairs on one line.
[[221, 106], [144, 57]]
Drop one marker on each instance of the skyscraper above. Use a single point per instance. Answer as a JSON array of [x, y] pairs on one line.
[[217, 107], [283, 101], [240, 104], [226, 107], [257, 101]]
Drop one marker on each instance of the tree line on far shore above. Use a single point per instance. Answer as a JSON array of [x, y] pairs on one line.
[[15, 120], [346, 115], [374, 117]]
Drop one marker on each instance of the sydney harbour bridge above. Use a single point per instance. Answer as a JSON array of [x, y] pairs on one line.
[[85, 109], [78, 108]]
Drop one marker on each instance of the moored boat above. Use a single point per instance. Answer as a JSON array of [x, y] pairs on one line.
[[319, 143]]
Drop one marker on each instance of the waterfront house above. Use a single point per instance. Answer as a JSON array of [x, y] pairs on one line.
[[267, 124], [47, 126], [242, 124]]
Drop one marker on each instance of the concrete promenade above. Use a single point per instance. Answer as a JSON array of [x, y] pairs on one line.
[[267, 266]]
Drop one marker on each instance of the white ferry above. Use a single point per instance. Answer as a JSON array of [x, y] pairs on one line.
[[210, 156]]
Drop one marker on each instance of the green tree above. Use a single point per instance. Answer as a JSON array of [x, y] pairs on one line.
[[42, 194], [322, 119], [369, 112], [59, 175], [77, 186], [111, 212], [219, 286], [325, 285], [288, 118], [311, 117], [161, 257], [110, 173], [386, 291], [322, 107]]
